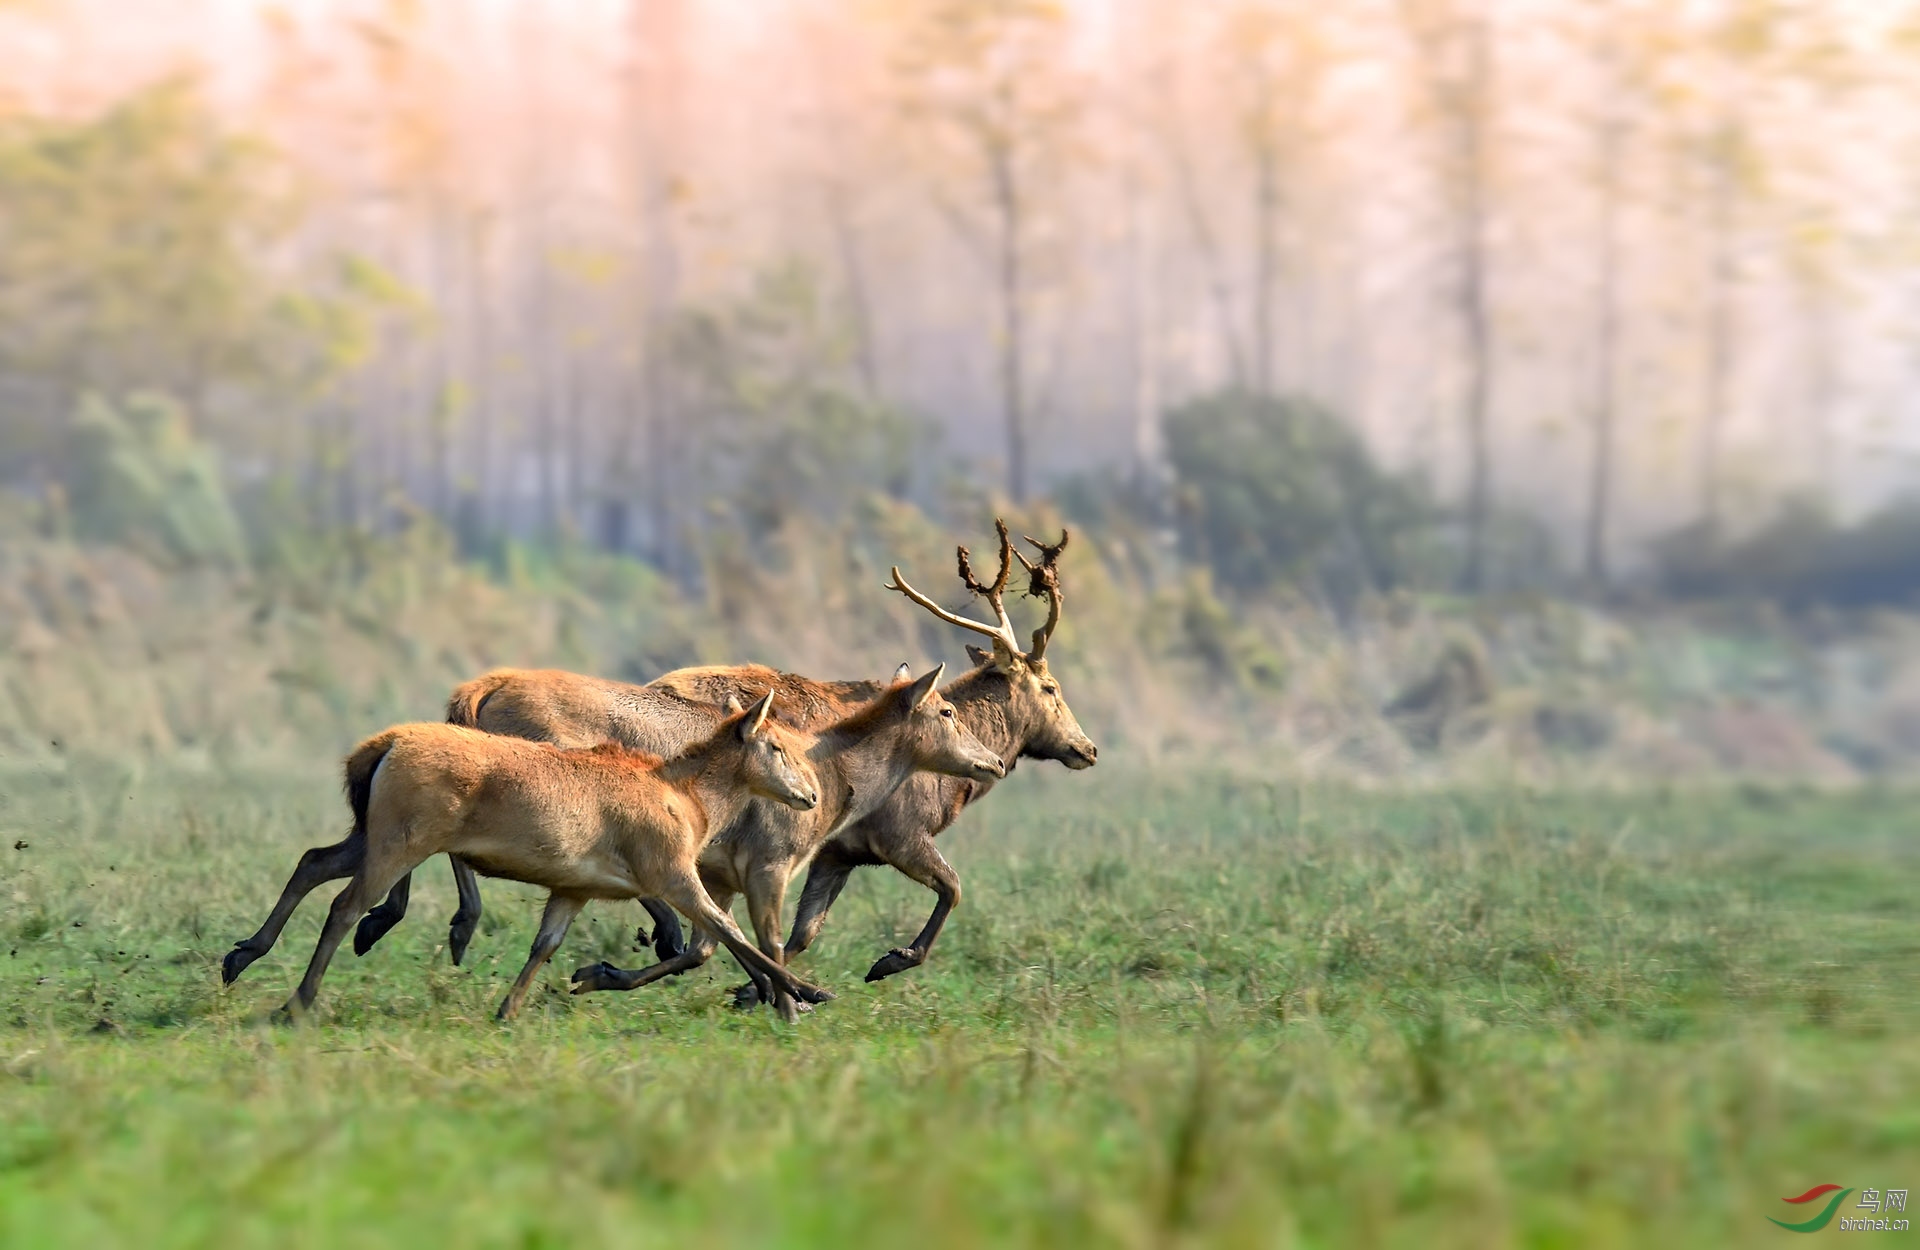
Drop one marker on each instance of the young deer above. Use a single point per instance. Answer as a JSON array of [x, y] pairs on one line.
[[586, 824], [861, 761], [1010, 701]]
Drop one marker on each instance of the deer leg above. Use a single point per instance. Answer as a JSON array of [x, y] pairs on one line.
[[685, 893], [922, 861], [825, 879], [604, 976], [317, 866], [766, 891], [376, 875], [667, 938], [376, 923], [466, 917], [554, 923]]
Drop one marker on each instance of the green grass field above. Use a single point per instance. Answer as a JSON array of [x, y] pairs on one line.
[[1171, 1011]]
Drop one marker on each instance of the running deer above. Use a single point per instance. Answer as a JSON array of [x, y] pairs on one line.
[[1009, 700], [604, 822], [861, 761]]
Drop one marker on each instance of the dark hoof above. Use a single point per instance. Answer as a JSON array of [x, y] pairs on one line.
[[235, 963], [373, 926], [600, 976], [747, 996], [805, 993], [459, 933], [896, 960]]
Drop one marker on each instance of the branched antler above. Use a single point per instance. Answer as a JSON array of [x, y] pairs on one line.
[[1044, 579], [995, 593], [1002, 632], [1007, 554]]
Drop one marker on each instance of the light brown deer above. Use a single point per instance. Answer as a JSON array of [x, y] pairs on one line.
[[1010, 701], [570, 710], [602, 823], [861, 761]]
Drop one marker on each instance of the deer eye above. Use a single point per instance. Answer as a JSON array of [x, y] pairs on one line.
[[947, 712], [1049, 688]]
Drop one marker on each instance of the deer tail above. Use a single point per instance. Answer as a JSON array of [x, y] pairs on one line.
[[464, 707], [360, 769]]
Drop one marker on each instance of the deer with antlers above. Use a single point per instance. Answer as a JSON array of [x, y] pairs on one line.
[[1010, 701]]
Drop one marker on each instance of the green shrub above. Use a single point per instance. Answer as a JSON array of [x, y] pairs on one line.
[[1277, 488], [138, 476]]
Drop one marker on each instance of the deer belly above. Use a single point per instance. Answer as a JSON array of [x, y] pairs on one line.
[[594, 880], [571, 865]]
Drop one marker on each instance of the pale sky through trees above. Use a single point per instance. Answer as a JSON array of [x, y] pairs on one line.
[[540, 170]]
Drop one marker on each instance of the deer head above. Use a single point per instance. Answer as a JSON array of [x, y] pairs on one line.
[[1036, 706], [938, 741], [773, 760]]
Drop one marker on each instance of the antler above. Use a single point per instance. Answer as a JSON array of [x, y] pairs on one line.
[[1002, 633], [1044, 579]]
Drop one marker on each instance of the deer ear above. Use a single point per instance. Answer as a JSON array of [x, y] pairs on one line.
[[979, 655], [924, 687], [733, 705], [756, 719], [903, 673]]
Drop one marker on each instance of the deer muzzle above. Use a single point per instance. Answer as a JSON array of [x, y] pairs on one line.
[[988, 769]]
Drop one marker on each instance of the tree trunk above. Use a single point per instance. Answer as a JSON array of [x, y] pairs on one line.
[[1210, 258], [1007, 210], [440, 380], [1472, 124], [1266, 204], [1142, 335], [1606, 335], [1823, 383], [853, 274], [655, 32], [484, 513], [1720, 330]]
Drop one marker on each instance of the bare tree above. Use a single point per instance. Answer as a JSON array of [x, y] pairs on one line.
[[835, 125], [657, 33], [989, 77], [1454, 42], [1609, 129], [1206, 236]]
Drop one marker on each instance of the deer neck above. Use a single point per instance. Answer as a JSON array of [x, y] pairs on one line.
[[700, 776], [857, 774]]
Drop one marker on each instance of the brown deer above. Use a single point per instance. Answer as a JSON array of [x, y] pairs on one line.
[[861, 760], [600, 823], [570, 710], [1010, 701]]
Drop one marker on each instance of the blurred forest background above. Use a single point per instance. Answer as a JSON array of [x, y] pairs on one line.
[[1499, 386]]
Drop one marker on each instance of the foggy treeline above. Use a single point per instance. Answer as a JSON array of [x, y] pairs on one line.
[[622, 270]]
